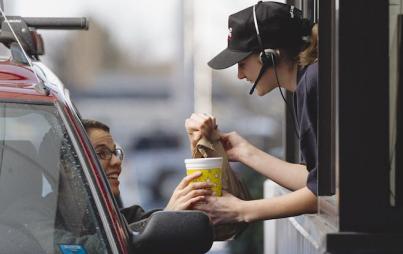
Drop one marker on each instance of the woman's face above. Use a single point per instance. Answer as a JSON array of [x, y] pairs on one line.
[[102, 140], [249, 69]]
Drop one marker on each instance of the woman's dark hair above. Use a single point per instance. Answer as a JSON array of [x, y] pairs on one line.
[[93, 124]]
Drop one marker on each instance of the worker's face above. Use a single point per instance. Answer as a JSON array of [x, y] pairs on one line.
[[103, 142], [249, 69]]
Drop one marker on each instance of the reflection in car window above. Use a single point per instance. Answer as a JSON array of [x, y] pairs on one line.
[[45, 202], [4, 53]]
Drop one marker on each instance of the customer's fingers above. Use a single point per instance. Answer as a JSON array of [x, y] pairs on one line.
[[187, 179], [192, 201], [195, 186], [198, 192]]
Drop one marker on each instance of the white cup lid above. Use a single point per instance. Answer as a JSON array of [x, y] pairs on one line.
[[201, 163]]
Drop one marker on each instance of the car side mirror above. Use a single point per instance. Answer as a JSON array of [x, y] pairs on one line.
[[165, 232]]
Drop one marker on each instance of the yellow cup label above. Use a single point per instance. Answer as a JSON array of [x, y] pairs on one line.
[[212, 175]]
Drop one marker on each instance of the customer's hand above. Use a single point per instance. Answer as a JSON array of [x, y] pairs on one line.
[[235, 146], [187, 194], [199, 125], [224, 209]]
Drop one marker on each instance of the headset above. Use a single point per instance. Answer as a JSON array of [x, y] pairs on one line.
[[268, 58]]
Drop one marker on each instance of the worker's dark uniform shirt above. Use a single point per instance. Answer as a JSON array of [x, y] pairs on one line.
[[306, 105]]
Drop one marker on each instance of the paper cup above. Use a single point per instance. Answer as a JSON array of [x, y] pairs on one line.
[[210, 169]]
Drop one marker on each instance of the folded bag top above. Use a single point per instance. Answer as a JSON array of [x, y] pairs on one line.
[[212, 147]]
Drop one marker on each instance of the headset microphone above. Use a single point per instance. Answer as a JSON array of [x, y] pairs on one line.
[[268, 59], [265, 66]]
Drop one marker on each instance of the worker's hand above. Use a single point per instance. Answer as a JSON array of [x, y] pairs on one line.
[[235, 146], [199, 125], [224, 209]]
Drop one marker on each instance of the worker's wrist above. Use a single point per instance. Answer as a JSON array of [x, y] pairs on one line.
[[242, 212], [247, 153]]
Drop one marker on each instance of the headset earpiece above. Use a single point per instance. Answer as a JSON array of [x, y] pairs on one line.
[[267, 57]]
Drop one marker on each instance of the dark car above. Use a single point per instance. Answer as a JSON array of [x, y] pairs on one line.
[[54, 195]]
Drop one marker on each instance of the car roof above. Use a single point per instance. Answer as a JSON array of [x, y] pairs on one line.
[[19, 83]]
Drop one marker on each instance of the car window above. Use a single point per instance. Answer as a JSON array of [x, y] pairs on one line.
[[45, 201]]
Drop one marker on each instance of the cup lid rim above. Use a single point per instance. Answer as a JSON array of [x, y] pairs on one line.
[[203, 159]]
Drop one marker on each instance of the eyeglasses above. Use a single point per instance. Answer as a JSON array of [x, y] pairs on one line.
[[105, 154]]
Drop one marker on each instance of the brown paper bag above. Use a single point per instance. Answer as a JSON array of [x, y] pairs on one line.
[[212, 147]]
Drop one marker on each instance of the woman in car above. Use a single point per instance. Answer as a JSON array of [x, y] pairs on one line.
[[111, 157], [274, 47]]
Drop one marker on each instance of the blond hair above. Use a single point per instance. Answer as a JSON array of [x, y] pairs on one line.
[[310, 54]]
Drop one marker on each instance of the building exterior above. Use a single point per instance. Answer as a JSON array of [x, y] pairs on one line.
[[359, 141]]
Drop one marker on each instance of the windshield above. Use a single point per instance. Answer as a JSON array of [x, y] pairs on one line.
[[45, 201]]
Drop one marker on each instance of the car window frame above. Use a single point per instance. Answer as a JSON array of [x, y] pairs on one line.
[[94, 186]]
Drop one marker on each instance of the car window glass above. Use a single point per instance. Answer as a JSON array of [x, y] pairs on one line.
[[4, 52], [45, 202]]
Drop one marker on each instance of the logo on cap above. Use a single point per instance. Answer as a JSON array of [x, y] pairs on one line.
[[229, 33]]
